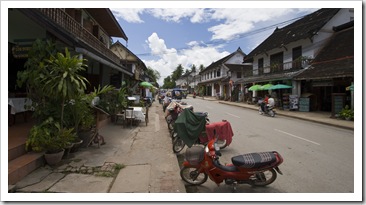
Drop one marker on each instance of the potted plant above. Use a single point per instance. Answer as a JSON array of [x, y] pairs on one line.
[[50, 138], [346, 113]]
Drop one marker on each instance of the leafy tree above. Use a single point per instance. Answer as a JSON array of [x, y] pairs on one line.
[[186, 72], [193, 69], [64, 80], [168, 83], [201, 68], [154, 74], [177, 73]]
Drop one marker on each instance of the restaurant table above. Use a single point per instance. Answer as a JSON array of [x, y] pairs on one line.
[[18, 105], [138, 112]]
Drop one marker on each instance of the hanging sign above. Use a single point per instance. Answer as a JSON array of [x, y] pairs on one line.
[[21, 51]]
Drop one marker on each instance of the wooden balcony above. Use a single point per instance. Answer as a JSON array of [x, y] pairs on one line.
[[66, 22], [278, 68]]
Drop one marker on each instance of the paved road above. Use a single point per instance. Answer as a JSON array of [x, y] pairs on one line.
[[318, 158]]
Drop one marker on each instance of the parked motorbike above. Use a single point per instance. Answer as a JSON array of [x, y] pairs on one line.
[[270, 111], [174, 109], [189, 130], [256, 169], [178, 142]]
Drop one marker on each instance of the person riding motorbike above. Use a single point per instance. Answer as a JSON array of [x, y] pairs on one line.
[[271, 103], [264, 103]]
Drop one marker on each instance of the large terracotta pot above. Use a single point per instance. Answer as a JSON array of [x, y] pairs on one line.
[[54, 158]]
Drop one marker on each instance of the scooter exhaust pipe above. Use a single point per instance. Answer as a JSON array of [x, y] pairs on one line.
[[278, 170]]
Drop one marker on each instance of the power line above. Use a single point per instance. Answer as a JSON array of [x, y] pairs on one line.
[[244, 35]]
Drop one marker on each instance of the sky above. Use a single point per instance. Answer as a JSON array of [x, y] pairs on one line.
[[163, 38], [195, 33]]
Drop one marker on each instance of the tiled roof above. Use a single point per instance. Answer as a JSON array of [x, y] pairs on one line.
[[303, 28], [222, 60], [237, 67], [335, 59]]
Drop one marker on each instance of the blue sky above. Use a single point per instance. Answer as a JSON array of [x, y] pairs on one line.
[[166, 37]]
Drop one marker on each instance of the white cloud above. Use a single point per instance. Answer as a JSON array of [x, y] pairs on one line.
[[131, 15], [239, 21], [169, 59], [176, 14]]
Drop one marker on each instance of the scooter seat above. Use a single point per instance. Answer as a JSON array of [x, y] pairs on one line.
[[254, 160]]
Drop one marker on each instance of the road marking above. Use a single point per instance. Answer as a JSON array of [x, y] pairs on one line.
[[233, 115], [297, 137]]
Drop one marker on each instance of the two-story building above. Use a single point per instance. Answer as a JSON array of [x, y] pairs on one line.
[[217, 79], [331, 72], [133, 63], [85, 31], [288, 51]]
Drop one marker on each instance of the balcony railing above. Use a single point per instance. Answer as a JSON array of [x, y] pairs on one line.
[[62, 19], [278, 68]]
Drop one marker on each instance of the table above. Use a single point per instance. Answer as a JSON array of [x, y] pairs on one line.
[[139, 115], [18, 105]]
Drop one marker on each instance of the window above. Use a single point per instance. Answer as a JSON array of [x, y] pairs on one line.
[[218, 73], [238, 74], [276, 61], [260, 66], [296, 57], [260, 63]]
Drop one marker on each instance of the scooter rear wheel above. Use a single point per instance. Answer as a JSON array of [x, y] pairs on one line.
[[192, 176], [178, 144], [271, 113], [264, 178]]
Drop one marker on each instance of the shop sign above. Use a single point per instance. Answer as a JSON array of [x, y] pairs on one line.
[[21, 51]]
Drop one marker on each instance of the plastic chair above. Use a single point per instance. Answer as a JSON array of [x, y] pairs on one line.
[[121, 116], [129, 115]]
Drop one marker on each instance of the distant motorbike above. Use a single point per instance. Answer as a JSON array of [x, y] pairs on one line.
[[269, 110], [256, 169]]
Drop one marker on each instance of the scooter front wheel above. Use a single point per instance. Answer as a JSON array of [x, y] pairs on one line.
[[192, 176], [264, 178], [178, 144], [221, 143]]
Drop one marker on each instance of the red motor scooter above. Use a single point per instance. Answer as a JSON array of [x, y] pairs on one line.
[[257, 169]]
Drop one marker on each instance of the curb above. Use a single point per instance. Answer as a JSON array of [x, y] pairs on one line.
[[297, 117]]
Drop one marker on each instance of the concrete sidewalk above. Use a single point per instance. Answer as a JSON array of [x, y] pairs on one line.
[[135, 159]]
